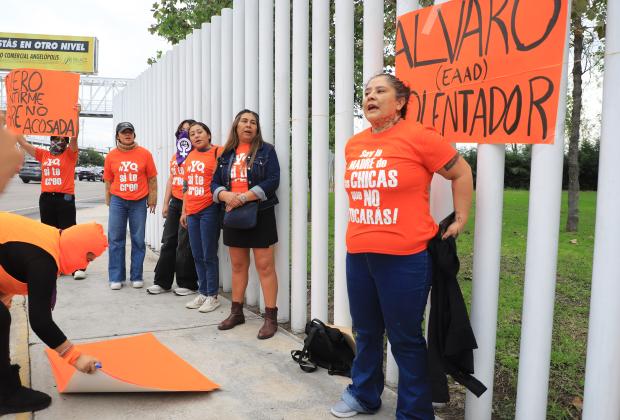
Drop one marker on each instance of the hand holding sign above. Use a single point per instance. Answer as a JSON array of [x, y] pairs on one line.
[[42, 102]]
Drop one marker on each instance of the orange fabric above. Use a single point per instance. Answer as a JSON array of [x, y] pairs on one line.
[[239, 170], [68, 250], [387, 179], [176, 173], [129, 172], [76, 242], [57, 172], [15, 228], [140, 360], [199, 168]]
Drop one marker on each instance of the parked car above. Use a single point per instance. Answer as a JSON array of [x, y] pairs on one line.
[[89, 174], [30, 171]]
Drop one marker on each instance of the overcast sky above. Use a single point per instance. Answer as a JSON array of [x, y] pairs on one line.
[[120, 26]]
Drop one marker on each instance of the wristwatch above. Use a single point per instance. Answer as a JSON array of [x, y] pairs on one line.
[[243, 198]]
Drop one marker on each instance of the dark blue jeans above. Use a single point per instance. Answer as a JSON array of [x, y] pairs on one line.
[[204, 234], [121, 212], [389, 292]]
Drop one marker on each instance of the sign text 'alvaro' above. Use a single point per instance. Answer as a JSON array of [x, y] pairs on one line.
[[484, 71]]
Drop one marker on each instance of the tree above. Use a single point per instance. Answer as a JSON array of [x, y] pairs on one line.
[[588, 29], [174, 19], [90, 157]]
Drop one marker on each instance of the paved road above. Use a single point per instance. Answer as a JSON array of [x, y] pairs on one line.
[[23, 198]]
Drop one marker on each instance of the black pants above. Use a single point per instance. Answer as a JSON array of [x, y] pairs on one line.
[[57, 209], [5, 328], [175, 254]]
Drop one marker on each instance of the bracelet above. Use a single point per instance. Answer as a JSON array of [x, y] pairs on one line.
[[71, 355]]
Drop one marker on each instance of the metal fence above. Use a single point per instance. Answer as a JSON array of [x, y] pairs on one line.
[[245, 59]]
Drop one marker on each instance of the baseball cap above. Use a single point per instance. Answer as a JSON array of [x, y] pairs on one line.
[[124, 126]]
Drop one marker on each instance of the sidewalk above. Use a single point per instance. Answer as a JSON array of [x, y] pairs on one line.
[[258, 378]]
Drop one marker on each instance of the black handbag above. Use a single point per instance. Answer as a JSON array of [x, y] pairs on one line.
[[243, 217], [326, 347]]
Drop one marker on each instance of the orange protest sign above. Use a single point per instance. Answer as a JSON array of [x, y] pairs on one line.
[[131, 364], [484, 71], [42, 102]]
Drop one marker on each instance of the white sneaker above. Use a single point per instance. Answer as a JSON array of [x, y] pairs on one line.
[[116, 285], [210, 304], [137, 284], [182, 291], [196, 302], [79, 275], [156, 289]]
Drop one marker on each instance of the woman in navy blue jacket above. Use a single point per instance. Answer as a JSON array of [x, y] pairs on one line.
[[248, 170]]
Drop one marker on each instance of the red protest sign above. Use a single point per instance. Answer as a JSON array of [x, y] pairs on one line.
[[484, 71], [42, 102]]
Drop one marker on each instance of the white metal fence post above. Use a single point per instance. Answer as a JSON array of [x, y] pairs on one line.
[[344, 91], [189, 78], [541, 265], [265, 79], [320, 154], [299, 152], [602, 382], [205, 37], [196, 74], [226, 118], [282, 138], [238, 69]]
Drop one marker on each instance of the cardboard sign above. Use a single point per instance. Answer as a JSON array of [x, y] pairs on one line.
[[484, 71], [131, 364], [50, 52], [42, 102]]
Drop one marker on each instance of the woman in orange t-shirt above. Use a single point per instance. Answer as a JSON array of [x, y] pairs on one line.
[[175, 255], [57, 199], [389, 168], [200, 215], [130, 188]]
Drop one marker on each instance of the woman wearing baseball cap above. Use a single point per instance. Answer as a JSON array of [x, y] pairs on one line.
[[130, 188]]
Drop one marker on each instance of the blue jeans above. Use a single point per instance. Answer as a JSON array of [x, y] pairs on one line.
[[389, 292], [204, 234], [121, 211]]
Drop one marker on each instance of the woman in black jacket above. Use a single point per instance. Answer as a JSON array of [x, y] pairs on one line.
[[248, 170]]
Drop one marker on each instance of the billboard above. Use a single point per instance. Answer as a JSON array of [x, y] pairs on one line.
[[50, 52]]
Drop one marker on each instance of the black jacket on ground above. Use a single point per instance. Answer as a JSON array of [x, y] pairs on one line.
[[450, 337]]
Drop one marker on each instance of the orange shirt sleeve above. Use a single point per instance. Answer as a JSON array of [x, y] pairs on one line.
[[39, 154], [151, 170], [73, 155], [433, 149]]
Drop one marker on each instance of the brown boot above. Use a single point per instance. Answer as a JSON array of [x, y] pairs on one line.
[[235, 318], [270, 326]]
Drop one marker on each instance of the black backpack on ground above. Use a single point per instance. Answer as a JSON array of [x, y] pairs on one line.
[[325, 347]]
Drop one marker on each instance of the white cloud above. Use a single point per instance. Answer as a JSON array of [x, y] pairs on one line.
[[121, 26]]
